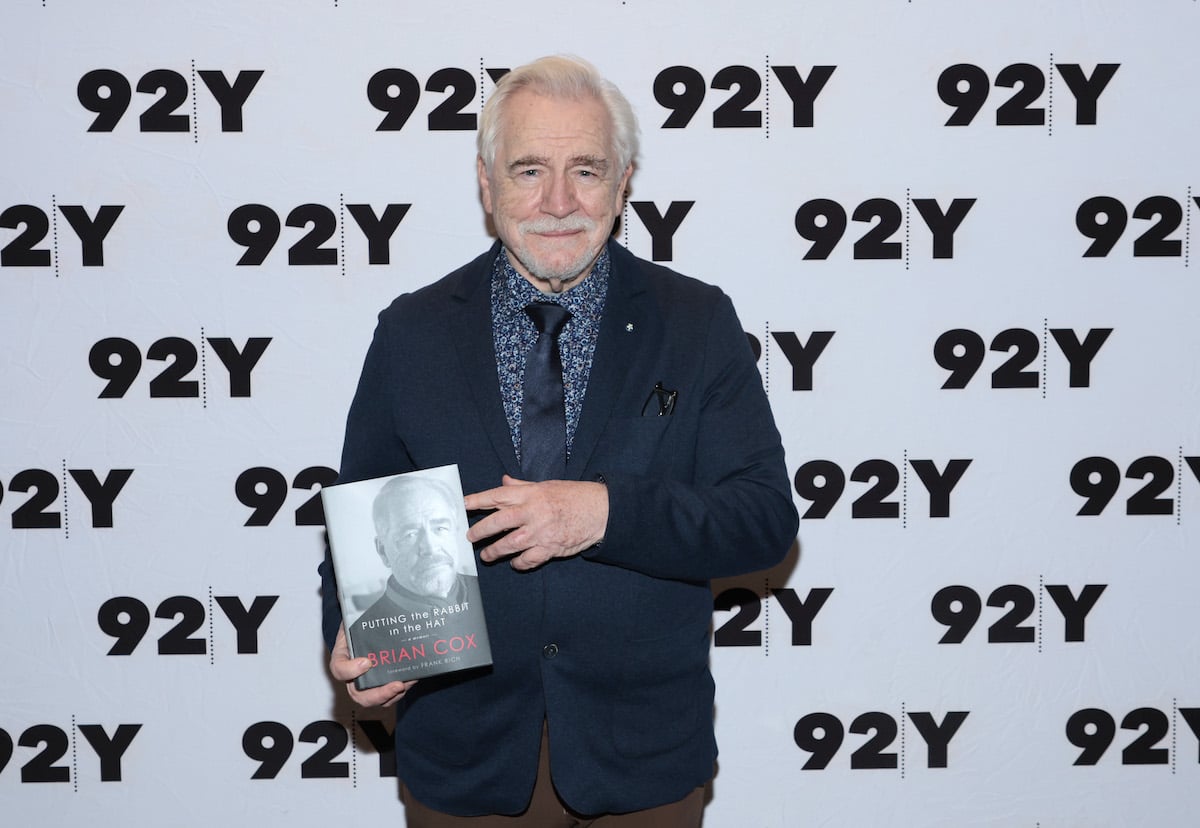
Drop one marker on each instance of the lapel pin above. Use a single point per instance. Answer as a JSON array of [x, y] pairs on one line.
[[629, 327]]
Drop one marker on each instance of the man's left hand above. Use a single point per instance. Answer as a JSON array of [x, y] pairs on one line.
[[551, 519]]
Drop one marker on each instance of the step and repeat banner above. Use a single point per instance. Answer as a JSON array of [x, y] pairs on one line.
[[959, 237]]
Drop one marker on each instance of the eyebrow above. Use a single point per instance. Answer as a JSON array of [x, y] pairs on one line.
[[596, 162], [409, 524]]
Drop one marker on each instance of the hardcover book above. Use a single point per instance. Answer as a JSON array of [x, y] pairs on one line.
[[406, 575]]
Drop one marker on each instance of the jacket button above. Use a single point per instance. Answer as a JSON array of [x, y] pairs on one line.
[[550, 650]]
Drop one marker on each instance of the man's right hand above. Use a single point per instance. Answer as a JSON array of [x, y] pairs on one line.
[[347, 669]]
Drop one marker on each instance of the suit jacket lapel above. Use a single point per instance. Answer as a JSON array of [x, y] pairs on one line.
[[630, 328], [472, 329]]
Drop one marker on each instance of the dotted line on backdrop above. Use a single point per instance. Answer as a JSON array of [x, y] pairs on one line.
[[766, 354], [74, 755], [1179, 487], [1041, 592], [907, 226], [767, 97], [66, 512], [195, 113], [1050, 97], [1187, 226], [1045, 343], [353, 749], [54, 230], [212, 646], [1174, 731], [766, 605], [203, 372]]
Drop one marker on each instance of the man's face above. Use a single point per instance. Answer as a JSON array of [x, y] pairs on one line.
[[554, 190], [418, 543]]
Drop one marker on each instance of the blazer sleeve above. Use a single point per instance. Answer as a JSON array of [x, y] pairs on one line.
[[372, 448], [736, 514]]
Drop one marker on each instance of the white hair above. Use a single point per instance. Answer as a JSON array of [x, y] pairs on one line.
[[560, 76]]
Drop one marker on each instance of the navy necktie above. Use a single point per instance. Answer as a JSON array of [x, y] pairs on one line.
[[543, 416]]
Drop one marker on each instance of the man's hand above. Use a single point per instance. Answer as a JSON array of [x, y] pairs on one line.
[[347, 669], [553, 519]]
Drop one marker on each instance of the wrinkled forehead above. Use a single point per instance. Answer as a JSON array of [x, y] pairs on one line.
[[412, 504], [580, 121]]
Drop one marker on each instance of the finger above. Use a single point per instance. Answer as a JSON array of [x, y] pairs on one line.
[[498, 522], [496, 497], [489, 527], [529, 559], [481, 501], [513, 543], [343, 668], [341, 665], [385, 695]]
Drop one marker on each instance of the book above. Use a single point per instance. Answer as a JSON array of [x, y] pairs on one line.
[[406, 575]]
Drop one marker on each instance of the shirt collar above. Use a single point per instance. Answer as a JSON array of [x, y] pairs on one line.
[[585, 300]]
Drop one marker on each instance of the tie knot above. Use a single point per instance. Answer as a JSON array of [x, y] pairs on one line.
[[548, 317]]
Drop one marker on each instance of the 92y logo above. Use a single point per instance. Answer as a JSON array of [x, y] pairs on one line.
[[119, 361], [737, 631], [822, 735], [681, 89], [1103, 219], [271, 745], [36, 511], [108, 94], [55, 742], [1093, 730], [257, 228], [822, 483], [824, 221], [127, 620], [965, 87], [1097, 480], [396, 92], [265, 490], [961, 352], [959, 608], [23, 250]]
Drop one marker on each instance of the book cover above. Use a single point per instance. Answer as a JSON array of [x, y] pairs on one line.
[[406, 575]]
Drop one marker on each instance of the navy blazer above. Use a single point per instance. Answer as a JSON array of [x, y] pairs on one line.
[[610, 648]]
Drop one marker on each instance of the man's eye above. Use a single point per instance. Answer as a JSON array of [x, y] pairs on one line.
[[529, 173]]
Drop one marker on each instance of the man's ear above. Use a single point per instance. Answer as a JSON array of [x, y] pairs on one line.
[[382, 555], [623, 189]]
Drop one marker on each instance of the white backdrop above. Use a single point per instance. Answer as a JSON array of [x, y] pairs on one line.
[[991, 615]]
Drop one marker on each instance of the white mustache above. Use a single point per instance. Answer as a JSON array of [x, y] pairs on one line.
[[553, 225], [435, 560]]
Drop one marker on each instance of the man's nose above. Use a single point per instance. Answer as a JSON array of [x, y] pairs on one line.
[[424, 542], [559, 199]]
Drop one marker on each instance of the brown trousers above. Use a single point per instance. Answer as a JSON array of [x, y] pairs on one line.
[[546, 810]]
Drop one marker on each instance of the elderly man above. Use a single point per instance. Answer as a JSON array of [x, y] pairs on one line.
[[608, 418]]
